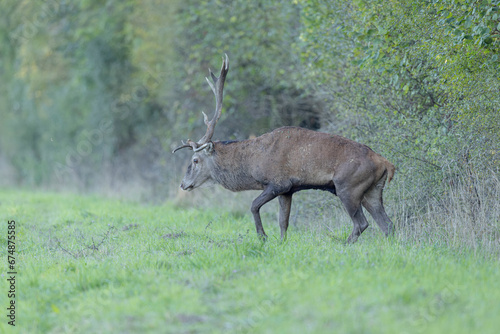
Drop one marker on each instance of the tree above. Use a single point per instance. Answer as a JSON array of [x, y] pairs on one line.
[[415, 78]]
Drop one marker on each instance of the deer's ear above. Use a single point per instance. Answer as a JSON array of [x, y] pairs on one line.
[[210, 148]]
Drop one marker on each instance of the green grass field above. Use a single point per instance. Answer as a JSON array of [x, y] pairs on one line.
[[95, 265]]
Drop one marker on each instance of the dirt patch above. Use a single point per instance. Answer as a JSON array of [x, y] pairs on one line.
[[173, 235]]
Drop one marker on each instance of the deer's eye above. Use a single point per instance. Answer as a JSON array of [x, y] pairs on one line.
[[195, 161]]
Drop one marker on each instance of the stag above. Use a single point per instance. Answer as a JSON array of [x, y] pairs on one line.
[[287, 160]]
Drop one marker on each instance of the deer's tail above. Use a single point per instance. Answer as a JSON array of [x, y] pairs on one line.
[[390, 171]]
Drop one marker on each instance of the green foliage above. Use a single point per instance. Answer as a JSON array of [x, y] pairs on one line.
[[71, 63], [416, 79], [264, 89], [95, 94], [111, 87]]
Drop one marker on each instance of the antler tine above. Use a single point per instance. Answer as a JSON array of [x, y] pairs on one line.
[[214, 78], [189, 144], [205, 118], [217, 88]]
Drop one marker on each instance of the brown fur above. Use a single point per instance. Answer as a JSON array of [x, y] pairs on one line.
[[291, 159]]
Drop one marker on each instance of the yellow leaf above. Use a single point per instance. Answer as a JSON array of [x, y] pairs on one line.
[[55, 309]]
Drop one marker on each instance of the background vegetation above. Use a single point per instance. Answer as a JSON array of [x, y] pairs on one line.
[[97, 93]]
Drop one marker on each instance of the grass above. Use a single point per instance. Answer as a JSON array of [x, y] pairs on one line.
[[93, 265]]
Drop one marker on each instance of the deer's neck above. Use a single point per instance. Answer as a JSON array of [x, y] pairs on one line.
[[232, 165]]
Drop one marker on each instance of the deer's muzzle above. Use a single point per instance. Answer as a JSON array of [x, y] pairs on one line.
[[187, 188]]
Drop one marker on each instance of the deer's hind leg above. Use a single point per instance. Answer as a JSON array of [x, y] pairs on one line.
[[355, 211], [373, 202]]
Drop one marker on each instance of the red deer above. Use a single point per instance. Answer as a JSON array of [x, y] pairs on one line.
[[287, 160]]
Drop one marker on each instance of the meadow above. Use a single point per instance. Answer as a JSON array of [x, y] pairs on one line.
[[89, 264]]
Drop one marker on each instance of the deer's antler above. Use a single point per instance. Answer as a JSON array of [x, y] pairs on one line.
[[217, 87]]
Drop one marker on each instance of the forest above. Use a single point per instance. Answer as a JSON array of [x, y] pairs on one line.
[[95, 94]]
